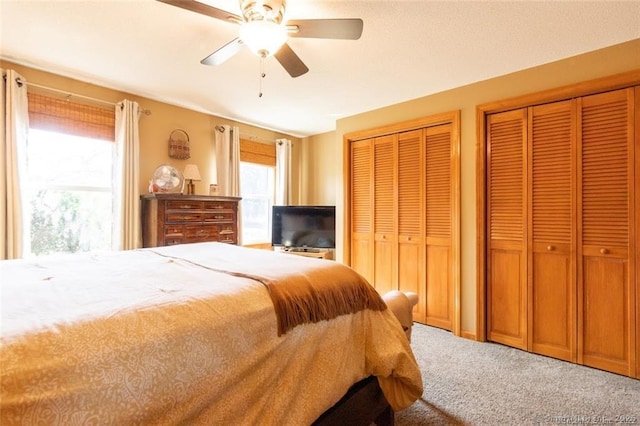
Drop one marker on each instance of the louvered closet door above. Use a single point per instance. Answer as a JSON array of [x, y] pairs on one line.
[[384, 207], [438, 199], [506, 211], [361, 208], [606, 281], [410, 217], [552, 285]]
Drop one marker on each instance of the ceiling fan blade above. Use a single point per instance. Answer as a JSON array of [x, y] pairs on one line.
[[204, 9], [345, 29], [290, 61], [224, 53]]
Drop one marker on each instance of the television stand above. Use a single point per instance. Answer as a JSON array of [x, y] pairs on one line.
[[311, 252], [302, 250]]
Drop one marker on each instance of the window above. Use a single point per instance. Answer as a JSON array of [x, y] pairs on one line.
[[70, 161], [257, 189]]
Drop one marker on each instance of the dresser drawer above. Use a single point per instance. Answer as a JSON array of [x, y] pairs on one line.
[[219, 216], [182, 217], [172, 241], [184, 205], [173, 231], [200, 233], [228, 238], [227, 228], [217, 205]]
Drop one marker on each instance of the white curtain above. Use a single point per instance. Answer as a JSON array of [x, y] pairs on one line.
[[228, 160], [14, 129], [283, 172], [127, 233], [227, 149]]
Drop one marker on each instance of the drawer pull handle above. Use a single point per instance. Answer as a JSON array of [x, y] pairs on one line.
[[550, 248], [604, 251], [185, 206]]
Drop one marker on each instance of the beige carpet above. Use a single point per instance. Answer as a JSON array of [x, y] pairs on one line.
[[471, 383]]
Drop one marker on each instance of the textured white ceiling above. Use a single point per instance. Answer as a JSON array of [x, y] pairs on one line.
[[408, 49]]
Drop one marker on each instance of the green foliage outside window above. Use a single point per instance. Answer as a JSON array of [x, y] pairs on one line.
[[54, 223]]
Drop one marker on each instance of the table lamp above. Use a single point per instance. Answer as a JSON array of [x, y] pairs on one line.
[[191, 173]]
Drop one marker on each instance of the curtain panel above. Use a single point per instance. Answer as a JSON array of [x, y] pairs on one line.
[[14, 129], [127, 232], [283, 172], [227, 162], [227, 149]]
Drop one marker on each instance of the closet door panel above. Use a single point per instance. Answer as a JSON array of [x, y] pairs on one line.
[[361, 256], [606, 310], [605, 287], [385, 234], [438, 221], [553, 305], [505, 316], [506, 212], [438, 286], [552, 286], [361, 208], [410, 217], [411, 275]]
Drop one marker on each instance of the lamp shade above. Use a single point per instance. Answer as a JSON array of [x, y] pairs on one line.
[[191, 172], [263, 38]]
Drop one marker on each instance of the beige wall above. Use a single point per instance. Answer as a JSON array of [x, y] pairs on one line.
[[156, 128], [322, 173], [328, 151]]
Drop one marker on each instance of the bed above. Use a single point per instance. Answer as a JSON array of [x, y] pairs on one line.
[[203, 333]]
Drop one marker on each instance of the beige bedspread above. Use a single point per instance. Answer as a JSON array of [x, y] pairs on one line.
[[160, 337]]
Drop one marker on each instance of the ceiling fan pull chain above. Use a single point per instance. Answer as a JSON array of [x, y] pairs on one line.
[[262, 75]]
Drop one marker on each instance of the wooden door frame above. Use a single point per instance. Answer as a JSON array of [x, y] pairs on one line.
[[453, 118], [636, 228], [605, 84]]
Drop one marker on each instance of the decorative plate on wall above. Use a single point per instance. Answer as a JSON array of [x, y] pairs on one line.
[[167, 179]]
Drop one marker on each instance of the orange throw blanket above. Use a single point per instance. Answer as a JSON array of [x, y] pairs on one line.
[[303, 290], [317, 294]]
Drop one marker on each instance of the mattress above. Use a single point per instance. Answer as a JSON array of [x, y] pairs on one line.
[[184, 334]]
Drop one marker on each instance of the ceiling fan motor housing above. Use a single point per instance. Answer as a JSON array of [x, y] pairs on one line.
[[268, 10]]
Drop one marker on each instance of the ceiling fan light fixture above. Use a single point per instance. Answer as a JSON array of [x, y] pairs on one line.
[[263, 38]]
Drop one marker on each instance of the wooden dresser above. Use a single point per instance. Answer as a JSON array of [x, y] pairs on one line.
[[169, 219]]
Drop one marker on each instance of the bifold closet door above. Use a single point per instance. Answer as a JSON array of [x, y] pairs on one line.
[[507, 237], [411, 261], [606, 230], [551, 216], [385, 183], [361, 208], [438, 209]]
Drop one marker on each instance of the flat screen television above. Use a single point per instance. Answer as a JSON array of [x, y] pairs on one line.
[[304, 227]]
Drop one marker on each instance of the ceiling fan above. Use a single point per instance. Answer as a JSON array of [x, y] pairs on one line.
[[265, 31]]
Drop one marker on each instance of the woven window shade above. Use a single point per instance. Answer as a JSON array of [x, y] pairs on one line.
[[62, 116], [256, 152]]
